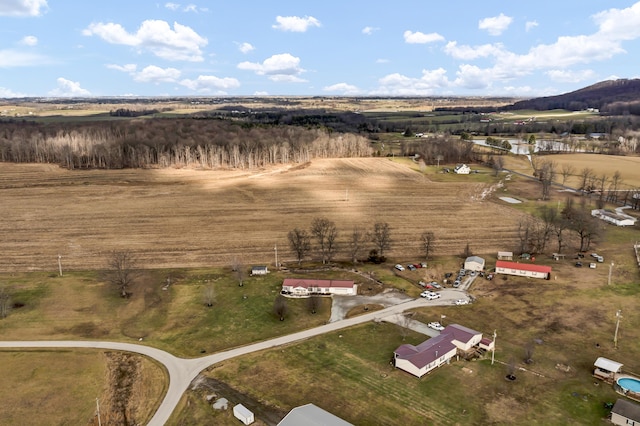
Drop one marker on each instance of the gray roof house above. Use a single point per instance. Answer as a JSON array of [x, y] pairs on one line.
[[625, 413], [311, 415]]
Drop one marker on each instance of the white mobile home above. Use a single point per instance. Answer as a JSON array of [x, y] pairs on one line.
[[243, 414], [523, 269]]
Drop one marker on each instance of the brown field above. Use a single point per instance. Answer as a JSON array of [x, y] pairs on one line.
[[191, 218], [629, 167]]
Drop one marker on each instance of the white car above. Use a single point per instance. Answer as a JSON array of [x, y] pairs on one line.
[[430, 295], [435, 325], [592, 265], [399, 267], [462, 302]]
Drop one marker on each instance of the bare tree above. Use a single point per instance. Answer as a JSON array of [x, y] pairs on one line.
[[586, 175], [546, 173], [497, 163], [299, 241], [467, 251], [528, 352], [239, 270], [582, 223], [209, 295], [313, 303], [404, 323], [602, 181], [616, 181], [524, 236], [280, 307], [381, 237], [325, 233], [5, 302], [122, 272], [357, 240], [428, 241], [566, 171]]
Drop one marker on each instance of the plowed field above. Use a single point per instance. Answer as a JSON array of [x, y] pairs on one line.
[[189, 218]]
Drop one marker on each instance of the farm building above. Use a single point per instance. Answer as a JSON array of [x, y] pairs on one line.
[[474, 263], [625, 413], [310, 414], [462, 169], [243, 414], [259, 270], [616, 218], [523, 269], [432, 353], [305, 287], [505, 255], [606, 369]]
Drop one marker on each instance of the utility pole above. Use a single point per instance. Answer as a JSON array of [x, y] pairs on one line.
[[98, 409], [493, 352], [615, 336], [276, 250], [610, 268], [60, 264]]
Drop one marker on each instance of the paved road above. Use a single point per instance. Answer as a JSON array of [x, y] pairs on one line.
[[182, 371]]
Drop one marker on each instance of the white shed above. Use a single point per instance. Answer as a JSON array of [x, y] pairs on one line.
[[259, 270], [243, 414], [606, 369], [617, 218], [474, 263]]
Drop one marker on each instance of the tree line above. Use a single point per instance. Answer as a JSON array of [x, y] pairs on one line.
[[154, 143]]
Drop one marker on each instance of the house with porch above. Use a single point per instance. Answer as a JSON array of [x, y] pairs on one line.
[[454, 340], [300, 287]]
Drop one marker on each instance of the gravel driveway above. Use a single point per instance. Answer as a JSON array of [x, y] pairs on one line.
[[341, 305]]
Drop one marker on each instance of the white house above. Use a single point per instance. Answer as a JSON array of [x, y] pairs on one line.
[[474, 263], [523, 269], [616, 218], [305, 287], [625, 413], [259, 270], [310, 414], [462, 169], [432, 353], [243, 414]]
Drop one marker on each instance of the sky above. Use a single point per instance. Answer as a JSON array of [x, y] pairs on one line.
[[90, 48]]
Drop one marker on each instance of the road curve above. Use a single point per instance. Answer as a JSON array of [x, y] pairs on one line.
[[182, 371]]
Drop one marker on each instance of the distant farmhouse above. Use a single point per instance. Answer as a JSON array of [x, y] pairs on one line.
[[523, 269], [432, 353], [304, 287], [616, 218], [462, 169], [259, 270]]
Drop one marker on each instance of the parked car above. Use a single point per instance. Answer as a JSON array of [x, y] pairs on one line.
[[423, 264], [399, 267], [429, 295], [472, 273], [489, 277], [462, 302], [600, 259], [435, 325], [411, 267], [456, 283], [595, 255], [448, 275], [435, 284], [578, 264], [417, 265], [592, 265]]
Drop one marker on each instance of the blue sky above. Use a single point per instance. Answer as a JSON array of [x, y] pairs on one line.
[[322, 48]]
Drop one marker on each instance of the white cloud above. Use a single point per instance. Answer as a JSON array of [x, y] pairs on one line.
[[382, 61], [619, 24], [29, 40], [495, 25], [22, 7], [10, 58], [207, 83], [281, 67], [261, 93], [530, 25], [178, 44], [8, 93], [421, 38], [568, 76], [155, 74], [342, 88], [190, 8], [473, 77], [428, 84], [128, 68], [246, 47], [369, 30], [68, 88], [473, 52], [172, 6], [295, 23]]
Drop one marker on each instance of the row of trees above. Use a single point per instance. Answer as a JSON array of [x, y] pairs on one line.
[[152, 143]]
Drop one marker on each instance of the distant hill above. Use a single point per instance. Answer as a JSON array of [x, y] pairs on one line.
[[611, 96]]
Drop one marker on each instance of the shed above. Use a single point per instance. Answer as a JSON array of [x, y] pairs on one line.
[[243, 414], [617, 218], [259, 270], [625, 413], [311, 415], [474, 263], [505, 255], [606, 369]]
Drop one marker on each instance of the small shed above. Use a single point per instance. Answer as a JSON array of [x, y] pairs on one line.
[[243, 414], [259, 270], [606, 369], [505, 255], [625, 413], [474, 263]]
